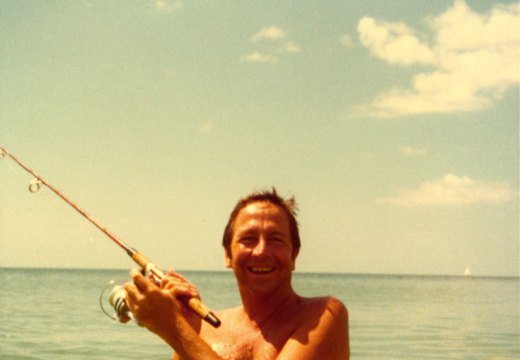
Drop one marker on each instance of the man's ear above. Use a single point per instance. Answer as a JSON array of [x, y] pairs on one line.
[[227, 259], [294, 256]]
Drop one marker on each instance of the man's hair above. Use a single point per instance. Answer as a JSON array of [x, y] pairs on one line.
[[287, 205]]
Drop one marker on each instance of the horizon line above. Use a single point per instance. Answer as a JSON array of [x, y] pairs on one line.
[[472, 276]]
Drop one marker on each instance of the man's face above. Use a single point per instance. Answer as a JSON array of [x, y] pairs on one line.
[[261, 248]]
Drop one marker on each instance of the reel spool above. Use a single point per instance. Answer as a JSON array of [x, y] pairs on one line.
[[115, 297]]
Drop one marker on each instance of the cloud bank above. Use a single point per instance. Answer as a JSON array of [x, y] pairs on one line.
[[451, 190], [472, 60]]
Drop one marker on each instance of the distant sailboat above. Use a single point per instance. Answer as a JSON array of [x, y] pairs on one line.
[[467, 272]]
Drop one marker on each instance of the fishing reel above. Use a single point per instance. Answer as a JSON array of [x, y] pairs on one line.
[[114, 294]]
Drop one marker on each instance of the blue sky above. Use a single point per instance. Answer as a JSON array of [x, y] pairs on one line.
[[394, 124]]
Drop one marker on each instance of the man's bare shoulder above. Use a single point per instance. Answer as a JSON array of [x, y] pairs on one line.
[[324, 309], [322, 333], [336, 308], [328, 304]]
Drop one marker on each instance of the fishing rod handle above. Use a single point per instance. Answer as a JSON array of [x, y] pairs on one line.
[[204, 312], [194, 303]]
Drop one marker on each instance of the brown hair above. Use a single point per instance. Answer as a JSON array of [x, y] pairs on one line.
[[287, 205]]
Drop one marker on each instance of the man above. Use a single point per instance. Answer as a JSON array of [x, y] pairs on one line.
[[261, 244]]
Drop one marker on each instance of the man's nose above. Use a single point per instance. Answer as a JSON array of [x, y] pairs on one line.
[[260, 247]]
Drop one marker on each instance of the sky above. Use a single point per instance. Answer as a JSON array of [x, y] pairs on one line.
[[394, 124]]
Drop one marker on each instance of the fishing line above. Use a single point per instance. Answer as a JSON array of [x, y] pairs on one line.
[[146, 265]]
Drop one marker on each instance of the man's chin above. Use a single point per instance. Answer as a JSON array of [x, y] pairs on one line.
[[264, 284]]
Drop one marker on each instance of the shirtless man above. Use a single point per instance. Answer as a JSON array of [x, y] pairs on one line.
[[261, 244]]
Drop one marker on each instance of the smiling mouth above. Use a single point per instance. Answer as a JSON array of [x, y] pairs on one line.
[[262, 270]]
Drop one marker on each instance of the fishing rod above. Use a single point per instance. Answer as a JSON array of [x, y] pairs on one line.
[[145, 263]]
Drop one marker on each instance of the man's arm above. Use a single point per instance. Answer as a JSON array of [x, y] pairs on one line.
[[324, 336], [159, 310]]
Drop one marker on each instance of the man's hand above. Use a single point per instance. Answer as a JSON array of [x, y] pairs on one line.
[[156, 307], [183, 290], [161, 310]]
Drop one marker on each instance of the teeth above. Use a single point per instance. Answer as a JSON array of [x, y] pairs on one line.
[[262, 269]]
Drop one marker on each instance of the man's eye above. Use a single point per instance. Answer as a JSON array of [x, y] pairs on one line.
[[277, 238]]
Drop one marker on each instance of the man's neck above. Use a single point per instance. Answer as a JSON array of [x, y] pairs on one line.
[[259, 308]]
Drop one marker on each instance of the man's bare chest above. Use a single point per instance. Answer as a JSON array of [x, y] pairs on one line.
[[245, 343]]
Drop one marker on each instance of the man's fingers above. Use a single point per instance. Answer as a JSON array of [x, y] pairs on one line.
[[132, 295], [140, 281], [176, 275], [179, 287], [181, 290]]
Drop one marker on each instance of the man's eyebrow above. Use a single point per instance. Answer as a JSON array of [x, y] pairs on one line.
[[275, 231], [247, 231]]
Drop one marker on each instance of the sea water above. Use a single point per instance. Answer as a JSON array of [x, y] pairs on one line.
[[55, 314]]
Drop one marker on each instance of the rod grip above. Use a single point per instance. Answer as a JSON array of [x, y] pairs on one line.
[[204, 312], [140, 259]]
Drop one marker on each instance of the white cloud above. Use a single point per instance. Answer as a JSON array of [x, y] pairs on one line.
[[168, 5], [411, 151], [394, 43], [269, 33], [473, 60], [291, 48], [452, 190], [258, 57], [277, 44]]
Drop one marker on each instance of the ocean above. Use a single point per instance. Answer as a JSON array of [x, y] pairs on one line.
[[55, 314]]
